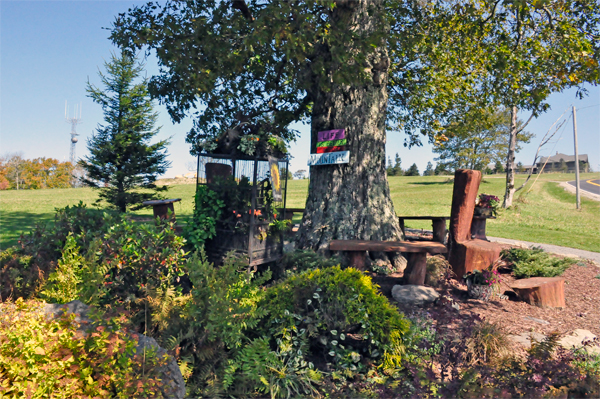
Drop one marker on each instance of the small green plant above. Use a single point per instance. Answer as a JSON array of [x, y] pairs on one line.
[[488, 342], [535, 263], [64, 284], [301, 260], [483, 277], [248, 144], [207, 211]]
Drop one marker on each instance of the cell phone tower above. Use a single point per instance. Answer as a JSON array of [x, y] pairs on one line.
[[74, 122]]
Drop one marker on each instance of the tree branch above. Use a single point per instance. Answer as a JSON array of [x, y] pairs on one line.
[[243, 7], [526, 123]]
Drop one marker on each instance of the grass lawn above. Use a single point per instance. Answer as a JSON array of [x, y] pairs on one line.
[[546, 214]]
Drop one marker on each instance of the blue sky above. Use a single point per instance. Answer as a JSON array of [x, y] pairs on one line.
[[49, 49]]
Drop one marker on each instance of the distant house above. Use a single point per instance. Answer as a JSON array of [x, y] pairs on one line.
[[561, 163]]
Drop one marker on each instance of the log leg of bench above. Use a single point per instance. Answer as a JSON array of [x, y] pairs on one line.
[[401, 221], [357, 259], [439, 230], [416, 269]]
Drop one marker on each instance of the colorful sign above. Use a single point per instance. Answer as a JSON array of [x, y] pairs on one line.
[[331, 148], [329, 158], [275, 179], [327, 135]]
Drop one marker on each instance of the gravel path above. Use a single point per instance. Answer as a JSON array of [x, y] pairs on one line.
[[555, 249]]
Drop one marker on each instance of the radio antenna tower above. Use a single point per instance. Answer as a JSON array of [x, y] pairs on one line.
[[74, 122]]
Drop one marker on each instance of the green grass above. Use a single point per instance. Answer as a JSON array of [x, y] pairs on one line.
[[546, 214]]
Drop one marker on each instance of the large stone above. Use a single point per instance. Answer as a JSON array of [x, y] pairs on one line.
[[576, 339], [414, 295], [169, 373], [525, 339]]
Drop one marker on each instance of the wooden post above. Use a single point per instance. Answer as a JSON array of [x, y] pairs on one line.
[[439, 230], [358, 259], [416, 269], [576, 159]]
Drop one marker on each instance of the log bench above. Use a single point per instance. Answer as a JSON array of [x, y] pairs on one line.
[[438, 225], [541, 291], [417, 261]]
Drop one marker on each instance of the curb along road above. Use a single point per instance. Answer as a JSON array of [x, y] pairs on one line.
[[553, 249]]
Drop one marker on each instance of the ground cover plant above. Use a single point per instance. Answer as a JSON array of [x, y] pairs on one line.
[[535, 262]]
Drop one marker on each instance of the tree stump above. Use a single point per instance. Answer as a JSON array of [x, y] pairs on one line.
[[541, 291]]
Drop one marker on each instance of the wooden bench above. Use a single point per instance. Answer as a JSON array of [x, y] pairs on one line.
[[417, 261], [162, 207], [438, 225], [288, 213]]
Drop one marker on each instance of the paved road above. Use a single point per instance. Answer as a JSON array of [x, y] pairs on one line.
[[554, 249], [591, 186]]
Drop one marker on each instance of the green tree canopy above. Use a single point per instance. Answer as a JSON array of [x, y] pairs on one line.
[[122, 163], [478, 139]]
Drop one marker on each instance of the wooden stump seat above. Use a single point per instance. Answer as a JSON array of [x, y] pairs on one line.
[[541, 291], [163, 207], [417, 261]]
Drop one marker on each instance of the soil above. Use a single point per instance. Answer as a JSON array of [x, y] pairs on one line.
[[582, 297]]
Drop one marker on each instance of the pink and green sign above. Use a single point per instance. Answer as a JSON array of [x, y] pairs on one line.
[[331, 148]]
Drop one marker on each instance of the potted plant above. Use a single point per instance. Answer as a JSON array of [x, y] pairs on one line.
[[481, 284], [486, 206]]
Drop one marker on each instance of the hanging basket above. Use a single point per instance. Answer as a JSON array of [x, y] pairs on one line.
[[481, 292]]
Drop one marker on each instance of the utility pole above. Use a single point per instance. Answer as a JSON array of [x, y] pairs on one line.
[[576, 159]]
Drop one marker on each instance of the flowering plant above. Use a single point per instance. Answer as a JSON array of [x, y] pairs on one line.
[[483, 277], [489, 201]]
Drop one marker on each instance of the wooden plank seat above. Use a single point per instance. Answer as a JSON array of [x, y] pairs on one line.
[[438, 225], [288, 213], [417, 260]]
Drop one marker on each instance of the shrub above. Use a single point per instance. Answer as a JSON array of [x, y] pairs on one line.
[[437, 269], [349, 325], [24, 269], [535, 263], [51, 358], [63, 284]]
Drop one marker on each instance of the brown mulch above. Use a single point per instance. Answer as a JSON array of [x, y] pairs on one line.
[[582, 297]]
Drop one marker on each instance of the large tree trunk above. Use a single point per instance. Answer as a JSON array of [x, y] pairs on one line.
[[352, 201], [510, 160]]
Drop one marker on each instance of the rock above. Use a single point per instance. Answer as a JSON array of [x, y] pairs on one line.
[[536, 320], [415, 295], [525, 338], [576, 338], [169, 373]]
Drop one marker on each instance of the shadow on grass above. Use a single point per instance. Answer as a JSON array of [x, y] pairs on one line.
[[432, 183], [16, 223]]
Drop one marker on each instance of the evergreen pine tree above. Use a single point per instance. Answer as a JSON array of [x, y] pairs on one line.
[[412, 171], [122, 163], [428, 170]]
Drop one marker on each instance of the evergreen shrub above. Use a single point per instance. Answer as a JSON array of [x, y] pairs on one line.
[[535, 263]]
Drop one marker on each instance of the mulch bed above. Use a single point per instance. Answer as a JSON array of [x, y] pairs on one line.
[[582, 296]]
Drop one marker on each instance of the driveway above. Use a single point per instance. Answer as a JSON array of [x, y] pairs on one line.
[[591, 186]]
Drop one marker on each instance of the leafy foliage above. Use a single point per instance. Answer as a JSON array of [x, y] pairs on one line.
[[208, 208], [348, 323], [535, 263], [476, 140], [64, 282], [34, 173], [121, 160], [51, 358]]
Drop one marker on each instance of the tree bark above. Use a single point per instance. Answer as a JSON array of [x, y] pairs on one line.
[[352, 201], [510, 160]]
